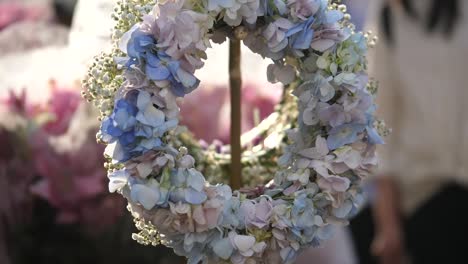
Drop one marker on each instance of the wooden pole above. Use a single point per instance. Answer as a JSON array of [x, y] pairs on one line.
[[235, 83]]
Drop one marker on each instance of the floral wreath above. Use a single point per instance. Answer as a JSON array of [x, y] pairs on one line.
[[324, 154]]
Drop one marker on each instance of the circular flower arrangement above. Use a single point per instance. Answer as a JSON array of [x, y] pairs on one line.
[[316, 54]]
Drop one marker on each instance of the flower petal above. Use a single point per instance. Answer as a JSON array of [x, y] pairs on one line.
[[117, 180], [194, 197], [223, 248], [244, 243], [157, 73], [146, 196]]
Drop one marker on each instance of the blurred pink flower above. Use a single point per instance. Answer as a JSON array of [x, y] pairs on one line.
[[68, 161], [206, 111], [12, 12], [59, 109], [71, 178], [61, 106], [56, 144]]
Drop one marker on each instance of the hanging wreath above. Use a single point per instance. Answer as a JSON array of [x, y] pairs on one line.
[[326, 132]]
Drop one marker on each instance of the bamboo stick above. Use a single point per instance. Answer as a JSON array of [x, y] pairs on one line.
[[235, 84]]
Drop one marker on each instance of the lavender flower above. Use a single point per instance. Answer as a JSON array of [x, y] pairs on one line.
[[303, 9], [182, 33], [276, 34], [256, 214]]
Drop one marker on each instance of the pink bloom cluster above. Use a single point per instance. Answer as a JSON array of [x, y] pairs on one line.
[[64, 155], [12, 12]]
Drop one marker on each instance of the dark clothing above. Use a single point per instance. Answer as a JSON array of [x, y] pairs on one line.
[[437, 232]]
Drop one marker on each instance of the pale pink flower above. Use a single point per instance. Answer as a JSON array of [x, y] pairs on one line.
[[206, 216], [181, 32], [303, 9], [333, 183], [150, 162], [257, 214]]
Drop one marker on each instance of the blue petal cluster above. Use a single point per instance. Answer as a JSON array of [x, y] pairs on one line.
[[134, 127], [143, 53], [187, 186]]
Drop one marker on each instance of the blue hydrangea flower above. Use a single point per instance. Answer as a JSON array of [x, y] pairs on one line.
[[191, 245], [230, 218], [135, 127], [344, 134], [301, 35], [158, 66], [188, 186], [149, 194], [118, 179], [302, 213], [223, 248]]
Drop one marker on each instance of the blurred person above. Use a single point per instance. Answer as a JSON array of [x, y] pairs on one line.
[[421, 205], [64, 10]]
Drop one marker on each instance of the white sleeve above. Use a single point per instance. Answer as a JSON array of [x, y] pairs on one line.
[[383, 67]]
